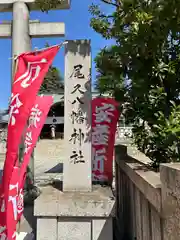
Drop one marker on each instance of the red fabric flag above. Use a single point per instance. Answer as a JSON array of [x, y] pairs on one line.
[[13, 189], [37, 118], [36, 121], [104, 121], [31, 69]]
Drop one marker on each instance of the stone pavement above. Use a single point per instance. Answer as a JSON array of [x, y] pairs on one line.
[[49, 157]]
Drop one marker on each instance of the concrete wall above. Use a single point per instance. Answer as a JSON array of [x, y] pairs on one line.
[[148, 203]]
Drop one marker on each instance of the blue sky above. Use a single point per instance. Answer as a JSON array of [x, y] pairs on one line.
[[76, 21]]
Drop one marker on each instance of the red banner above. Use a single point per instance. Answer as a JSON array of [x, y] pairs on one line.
[[36, 121], [104, 121], [31, 69], [13, 208]]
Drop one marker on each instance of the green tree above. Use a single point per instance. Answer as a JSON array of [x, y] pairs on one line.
[[46, 5], [53, 82], [142, 69], [143, 66]]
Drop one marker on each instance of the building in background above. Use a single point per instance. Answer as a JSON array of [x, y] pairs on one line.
[[3, 130], [54, 125]]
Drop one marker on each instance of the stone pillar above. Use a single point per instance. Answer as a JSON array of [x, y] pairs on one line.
[[170, 190], [21, 41], [77, 123]]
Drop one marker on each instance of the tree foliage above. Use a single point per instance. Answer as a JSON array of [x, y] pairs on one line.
[[46, 5], [53, 81], [142, 70]]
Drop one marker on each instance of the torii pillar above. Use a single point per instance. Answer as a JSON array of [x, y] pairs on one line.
[[22, 30]]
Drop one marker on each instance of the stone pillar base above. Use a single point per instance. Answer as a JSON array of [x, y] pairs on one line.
[[75, 215]]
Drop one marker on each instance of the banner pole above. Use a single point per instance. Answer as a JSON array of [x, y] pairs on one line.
[[15, 64]]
